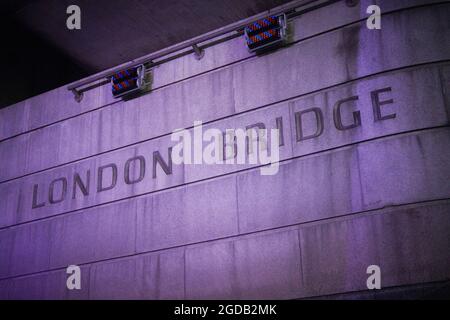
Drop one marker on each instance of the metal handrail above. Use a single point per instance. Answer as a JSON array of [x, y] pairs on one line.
[[191, 44]]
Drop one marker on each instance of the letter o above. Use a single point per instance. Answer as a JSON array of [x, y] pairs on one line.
[[141, 160]]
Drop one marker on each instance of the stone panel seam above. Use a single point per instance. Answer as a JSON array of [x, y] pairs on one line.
[[386, 210], [445, 95], [300, 256], [91, 279], [229, 64], [184, 274], [337, 295], [61, 120], [313, 154], [237, 203], [348, 82]]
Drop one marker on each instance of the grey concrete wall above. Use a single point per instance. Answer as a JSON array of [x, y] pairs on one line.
[[374, 194]]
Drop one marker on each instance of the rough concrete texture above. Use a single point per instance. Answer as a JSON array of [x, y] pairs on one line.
[[376, 193], [303, 261], [348, 181], [155, 276], [410, 90]]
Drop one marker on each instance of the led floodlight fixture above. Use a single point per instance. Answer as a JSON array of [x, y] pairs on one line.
[[128, 81], [266, 33]]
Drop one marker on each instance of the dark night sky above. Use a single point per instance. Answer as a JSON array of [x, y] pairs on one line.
[[30, 65]]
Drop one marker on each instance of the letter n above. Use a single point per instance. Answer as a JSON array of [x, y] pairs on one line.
[[84, 187], [167, 167]]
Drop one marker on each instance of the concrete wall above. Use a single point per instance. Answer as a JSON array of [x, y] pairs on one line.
[[374, 194]]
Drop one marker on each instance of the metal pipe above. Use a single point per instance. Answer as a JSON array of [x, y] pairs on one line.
[[185, 44]]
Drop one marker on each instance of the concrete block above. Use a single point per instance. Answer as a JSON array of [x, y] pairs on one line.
[[211, 271], [99, 233], [49, 107], [156, 276], [411, 169], [185, 215], [269, 268], [409, 244], [6, 248], [257, 267], [445, 85], [30, 249], [339, 14], [11, 196], [4, 289], [397, 170]]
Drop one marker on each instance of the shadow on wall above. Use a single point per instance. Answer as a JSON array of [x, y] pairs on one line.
[[30, 66]]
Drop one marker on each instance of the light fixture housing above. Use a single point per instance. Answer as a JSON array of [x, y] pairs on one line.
[[128, 81], [266, 33]]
